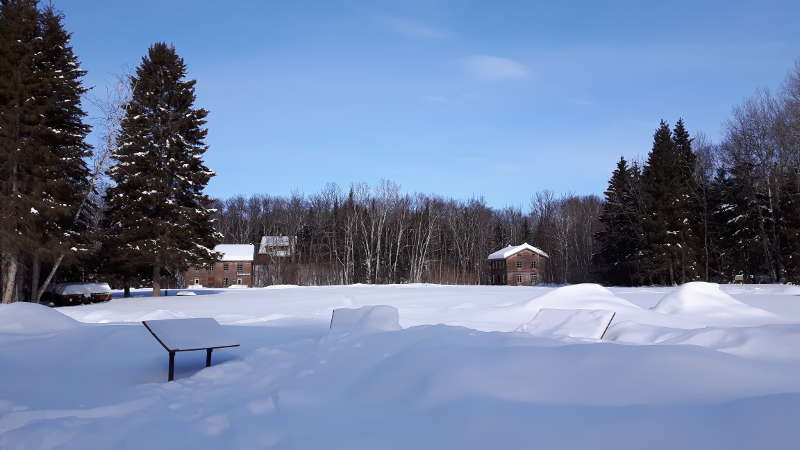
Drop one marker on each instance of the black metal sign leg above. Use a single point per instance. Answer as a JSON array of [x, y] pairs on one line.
[[171, 366], [208, 357]]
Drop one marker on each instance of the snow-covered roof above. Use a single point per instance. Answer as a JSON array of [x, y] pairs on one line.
[[504, 253], [236, 252], [275, 241]]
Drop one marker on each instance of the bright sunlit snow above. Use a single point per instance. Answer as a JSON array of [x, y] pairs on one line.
[[411, 366]]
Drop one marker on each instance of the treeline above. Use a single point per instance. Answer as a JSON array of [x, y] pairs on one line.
[[702, 211], [693, 210], [380, 235], [59, 219], [133, 210]]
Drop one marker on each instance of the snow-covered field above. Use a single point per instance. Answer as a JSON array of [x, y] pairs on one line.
[[466, 367]]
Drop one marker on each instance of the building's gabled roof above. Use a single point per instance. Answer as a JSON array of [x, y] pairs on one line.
[[236, 252], [275, 241], [504, 253]]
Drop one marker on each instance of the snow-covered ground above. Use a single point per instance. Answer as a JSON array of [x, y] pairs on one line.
[[698, 366]]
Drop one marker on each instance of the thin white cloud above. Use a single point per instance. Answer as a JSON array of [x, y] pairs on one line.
[[435, 98], [413, 29], [494, 67]]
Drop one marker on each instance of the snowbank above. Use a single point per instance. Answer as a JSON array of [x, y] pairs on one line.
[[282, 286], [426, 386], [32, 318], [706, 300], [364, 320], [575, 323], [790, 289], [581, 296]]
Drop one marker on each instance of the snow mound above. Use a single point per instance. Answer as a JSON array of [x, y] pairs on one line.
[[160, 314], [182, 293], [790, 289], [575, 323], [32, 318], [581, 296], [706, 300], [365, 320]]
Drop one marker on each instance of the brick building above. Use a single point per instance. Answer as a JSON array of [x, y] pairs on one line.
[[520, 265], [235, 268]]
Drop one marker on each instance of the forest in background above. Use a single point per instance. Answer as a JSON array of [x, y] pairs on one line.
[[133, 210], [692, 210]]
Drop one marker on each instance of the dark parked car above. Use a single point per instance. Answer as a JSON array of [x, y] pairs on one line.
[[66, 294]]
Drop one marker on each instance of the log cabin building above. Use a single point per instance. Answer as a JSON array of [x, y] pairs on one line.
[[235, 268], [517, 265]]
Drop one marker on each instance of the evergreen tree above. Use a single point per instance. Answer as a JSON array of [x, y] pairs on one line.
[[671, 210], [20, 126], [157, 211], [43, 177], [686, 207], [616, 262], [68, 196], [737, 222], [658, 191], [526, 230], [499, 240]]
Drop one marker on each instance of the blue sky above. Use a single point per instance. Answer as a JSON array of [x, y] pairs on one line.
[[461, 98]]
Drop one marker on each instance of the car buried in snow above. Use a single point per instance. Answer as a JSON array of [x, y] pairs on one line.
[[67, 294]]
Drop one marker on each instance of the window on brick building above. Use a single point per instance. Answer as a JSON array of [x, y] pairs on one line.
[[519, 278], [519, 264], [225, 267], [239, 267]]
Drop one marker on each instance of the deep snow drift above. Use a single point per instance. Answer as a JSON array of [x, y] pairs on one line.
[[29, 318], [699, 299], [411, 366]]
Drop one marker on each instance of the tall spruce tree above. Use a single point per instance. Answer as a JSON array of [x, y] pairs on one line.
[[42, 173], [620, 238], [68, 195], [659, 188], [20, 123], [157, 210], [670, 208], [686, 207]]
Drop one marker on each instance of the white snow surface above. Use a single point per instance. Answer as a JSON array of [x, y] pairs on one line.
[[575, 323], [438, 367], [31, 318], [236, 252], [698, 299], [191, 334], [367, 319]]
